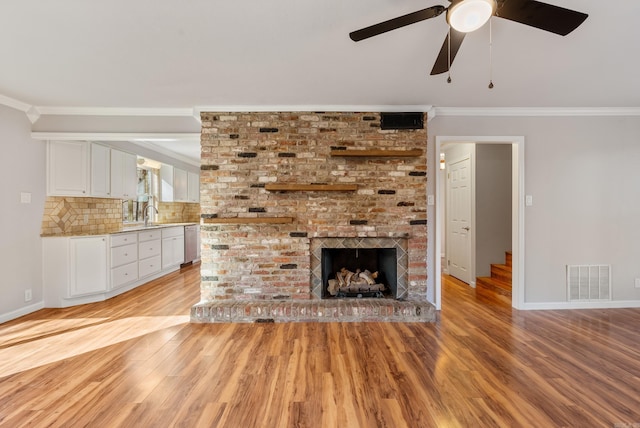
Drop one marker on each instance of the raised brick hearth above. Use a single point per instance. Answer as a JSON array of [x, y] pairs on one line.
[[276, 187]]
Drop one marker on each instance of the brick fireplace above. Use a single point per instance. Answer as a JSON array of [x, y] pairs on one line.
[[276, 188]]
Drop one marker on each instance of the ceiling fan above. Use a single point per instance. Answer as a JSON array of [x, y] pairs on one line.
[[464, 16]]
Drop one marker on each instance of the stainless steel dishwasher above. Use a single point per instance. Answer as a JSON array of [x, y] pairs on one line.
[[190, 243]]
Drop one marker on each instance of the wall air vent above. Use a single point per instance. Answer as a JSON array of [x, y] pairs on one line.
[[402, 120], [588, 282]]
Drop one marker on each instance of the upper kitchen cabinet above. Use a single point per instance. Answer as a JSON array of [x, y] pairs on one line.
[[100, 171], [193, 184], [68, 168], [178, 185], [80, 168], [166, 183], [124, 175]]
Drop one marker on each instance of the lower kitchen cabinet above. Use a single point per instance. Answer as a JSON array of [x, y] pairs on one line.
[[85, 269], [74, 269], [172, 246], [149, 252], [124, 259], [88, 273]]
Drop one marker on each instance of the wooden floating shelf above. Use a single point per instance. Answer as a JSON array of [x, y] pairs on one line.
[[274, 187], [377, 153], [248, 220]]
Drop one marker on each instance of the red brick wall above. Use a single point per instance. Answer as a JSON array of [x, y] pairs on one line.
[[241, 152]]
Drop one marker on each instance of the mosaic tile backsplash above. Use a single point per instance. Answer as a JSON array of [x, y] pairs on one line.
[[69, 216], [94, 216]]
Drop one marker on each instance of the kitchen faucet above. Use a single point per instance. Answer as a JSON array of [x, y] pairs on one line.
[[146, 214]]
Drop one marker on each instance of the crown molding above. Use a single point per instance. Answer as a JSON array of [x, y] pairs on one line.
[[115, 136], [32, 112], [35, 112], [119, 111], [535, 111], [15, 104], [313, 108]]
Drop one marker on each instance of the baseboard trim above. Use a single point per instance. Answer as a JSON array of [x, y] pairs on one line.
[[613, 304], [9, 316]]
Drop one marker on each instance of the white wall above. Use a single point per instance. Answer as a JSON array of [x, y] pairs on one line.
[[584, 176], [23, 170]]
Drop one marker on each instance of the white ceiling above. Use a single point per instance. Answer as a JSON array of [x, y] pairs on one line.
[[211, 53]]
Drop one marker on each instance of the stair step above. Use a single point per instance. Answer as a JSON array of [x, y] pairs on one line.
[[494, 289], [501, 272], [496, 285], [507, 257]]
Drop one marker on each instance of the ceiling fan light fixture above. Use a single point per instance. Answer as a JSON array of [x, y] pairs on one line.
[[469, 15]]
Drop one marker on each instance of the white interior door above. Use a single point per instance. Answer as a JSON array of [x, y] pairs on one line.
[[459, 219]]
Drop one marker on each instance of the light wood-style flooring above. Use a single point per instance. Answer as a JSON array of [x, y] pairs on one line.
[[136, 361]]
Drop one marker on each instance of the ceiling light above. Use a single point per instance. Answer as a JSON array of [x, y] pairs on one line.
[[469, 15]]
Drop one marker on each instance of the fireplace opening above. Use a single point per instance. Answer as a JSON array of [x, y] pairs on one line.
[[359, 272]]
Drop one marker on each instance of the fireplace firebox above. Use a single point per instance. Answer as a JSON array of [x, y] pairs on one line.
[[359, 272]]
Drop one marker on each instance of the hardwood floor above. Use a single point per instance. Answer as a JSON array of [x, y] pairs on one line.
[[135, 360]]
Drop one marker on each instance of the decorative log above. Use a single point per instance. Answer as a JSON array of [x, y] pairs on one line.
[[333, 287], [348, 276], [354, 282], [369, 277]]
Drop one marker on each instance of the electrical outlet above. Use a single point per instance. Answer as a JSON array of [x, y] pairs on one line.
[[27, 295], [637, 282]]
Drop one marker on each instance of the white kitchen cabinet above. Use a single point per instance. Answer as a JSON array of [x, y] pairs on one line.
[[172, 246], [149, 252], [180, 185], [68, 168], [166, 183], [74, 269], [88, 273], [124, 259], [193, 184], [124, 175], [84, 269], [100, 171]]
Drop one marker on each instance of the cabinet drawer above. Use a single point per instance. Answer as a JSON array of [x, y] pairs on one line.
[[168, 232], [123, 239], [124, 274], [149, 235], [148, 249], [149, 266], [123, 255]]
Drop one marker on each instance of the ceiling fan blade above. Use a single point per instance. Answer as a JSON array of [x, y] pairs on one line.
[[540, 15], [442, 62], [392, 24]]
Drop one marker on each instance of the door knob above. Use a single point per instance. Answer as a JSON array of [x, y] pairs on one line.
[[466, 228]]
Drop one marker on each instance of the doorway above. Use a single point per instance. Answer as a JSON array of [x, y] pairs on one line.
[[517, 213]]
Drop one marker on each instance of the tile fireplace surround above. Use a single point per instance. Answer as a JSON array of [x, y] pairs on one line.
[[277, 187]]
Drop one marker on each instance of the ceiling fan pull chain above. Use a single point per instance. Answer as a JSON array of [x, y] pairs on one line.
[[449, 56], [490, 54]]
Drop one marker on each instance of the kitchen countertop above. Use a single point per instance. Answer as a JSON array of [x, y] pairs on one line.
[[123, 229]]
